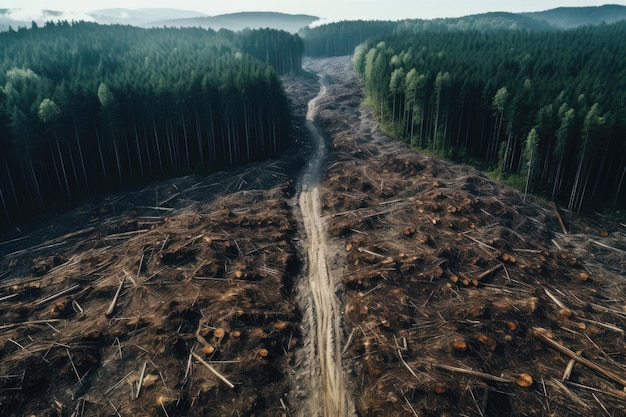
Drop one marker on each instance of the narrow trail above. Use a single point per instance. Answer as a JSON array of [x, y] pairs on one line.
[[332, 396]]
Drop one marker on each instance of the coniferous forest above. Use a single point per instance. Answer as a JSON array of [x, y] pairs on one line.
[[546, 110], [85, 107]]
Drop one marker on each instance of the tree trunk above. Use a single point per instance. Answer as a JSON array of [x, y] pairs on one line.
[[80, 153], [584, 190], [11, 184], [557, 179], [138, 149], [158, 147], [145, 143], [600, 173], [573, 195], [56, 169], [4, 205], [199, 135], [67, 186], [530, 168], [247, 129], [619, 187], [117, 154], [182, 115], [35, 181]]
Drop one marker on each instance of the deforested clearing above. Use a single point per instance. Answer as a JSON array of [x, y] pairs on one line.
[[457, 295]]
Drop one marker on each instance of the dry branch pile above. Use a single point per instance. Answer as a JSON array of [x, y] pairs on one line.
[[461, 299], [172, 300]]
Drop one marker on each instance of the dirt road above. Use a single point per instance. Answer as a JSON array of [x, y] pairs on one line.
[[330, 398]]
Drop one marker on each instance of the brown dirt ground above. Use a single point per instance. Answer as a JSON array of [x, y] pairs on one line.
[[205, 265], [454, 286]]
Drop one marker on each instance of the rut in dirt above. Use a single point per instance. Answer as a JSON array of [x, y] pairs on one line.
[[326, 330]]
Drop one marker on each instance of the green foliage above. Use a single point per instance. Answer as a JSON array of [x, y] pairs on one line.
[[280, 49], [91, 107], [48, 111], [340, 38], [500, 99], [480, 93]]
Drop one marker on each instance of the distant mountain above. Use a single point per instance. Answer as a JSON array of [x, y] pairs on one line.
[[239, 21], [159, 17], [484, 21], [141, 17], [559, 18], [571, 17]]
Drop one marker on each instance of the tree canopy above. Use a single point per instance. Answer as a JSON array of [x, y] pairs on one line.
[[86, 107], [549, 107]]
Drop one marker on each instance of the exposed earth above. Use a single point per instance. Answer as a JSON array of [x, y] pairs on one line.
[[441, 292]]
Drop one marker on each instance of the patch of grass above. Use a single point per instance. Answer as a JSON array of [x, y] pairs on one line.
[[513, 180]]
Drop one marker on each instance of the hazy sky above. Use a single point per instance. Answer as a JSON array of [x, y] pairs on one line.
[[329, 9]]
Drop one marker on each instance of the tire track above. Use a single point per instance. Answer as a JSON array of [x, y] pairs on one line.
[[326, 313]]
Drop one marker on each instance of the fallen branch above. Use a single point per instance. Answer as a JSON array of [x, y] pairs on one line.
[[608, 247], [558, 217], [599, 308], [226, 280], [489, 272], [601, 405], [569, 368], [411, 407], [125, 234], [378, 255], [601, 324], [349, 342], [384, 203], [80, 379], [17, 344], [605, 390], [140, 381], [479, 242], [111, 308], [57, 295], [554, 299], [210, 368], [12, 325], [406, 364], [8, 297], [542, 335], [569, 393], [14, 240], [380, 213], [168, 209], [477, 374]]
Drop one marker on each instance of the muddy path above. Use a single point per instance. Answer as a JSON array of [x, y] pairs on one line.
[[328, 395]]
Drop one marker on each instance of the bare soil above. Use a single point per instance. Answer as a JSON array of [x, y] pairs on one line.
[[451, 295], [329, 396]]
